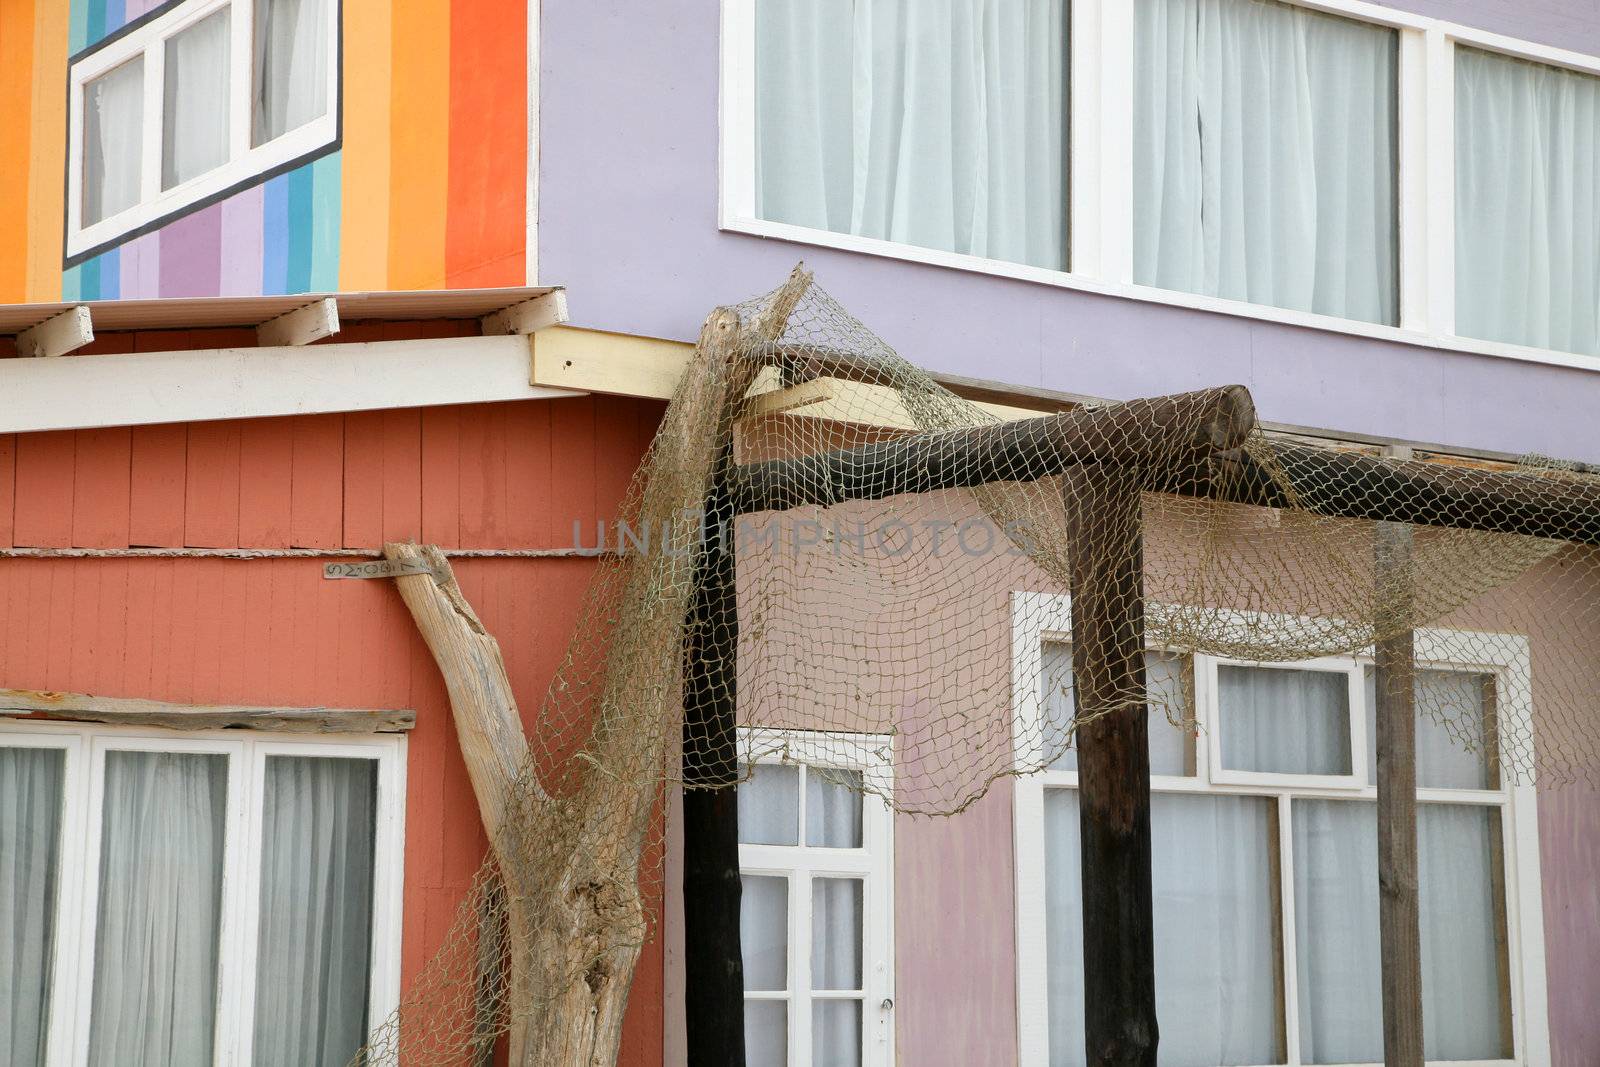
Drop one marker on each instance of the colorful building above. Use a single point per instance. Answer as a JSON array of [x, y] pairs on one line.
[[357, 271]]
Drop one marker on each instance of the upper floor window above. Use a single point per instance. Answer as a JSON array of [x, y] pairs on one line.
[[942, 126], [205, 97], [1264, 156], [1527, 203]]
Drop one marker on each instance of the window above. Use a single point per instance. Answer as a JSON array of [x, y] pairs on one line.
[[209, 897], [202, 99], [1264, 861], [1527, 203], [816, 860]]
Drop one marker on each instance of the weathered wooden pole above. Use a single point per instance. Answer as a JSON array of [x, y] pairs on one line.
[[1106, 556], [1399, 912]]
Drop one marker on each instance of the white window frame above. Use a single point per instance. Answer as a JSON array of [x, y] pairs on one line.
[[872, 755], [1040, 617], [245, 164], [1100, 210], [1206, 698], [76, 903]]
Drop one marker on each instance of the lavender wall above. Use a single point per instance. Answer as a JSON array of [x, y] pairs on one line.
[[628, 196]]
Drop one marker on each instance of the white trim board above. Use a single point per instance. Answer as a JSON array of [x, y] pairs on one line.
[[143, 388]]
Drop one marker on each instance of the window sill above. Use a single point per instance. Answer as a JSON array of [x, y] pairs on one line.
[[1147, 294]]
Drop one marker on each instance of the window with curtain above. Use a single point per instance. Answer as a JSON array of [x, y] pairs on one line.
[[813, 857], [1527, 141], [1265, 156], [1247, 957], [941, 124], [175, 932], [244, 89]]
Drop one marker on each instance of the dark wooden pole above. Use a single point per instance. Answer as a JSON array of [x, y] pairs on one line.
[[1399, 913], [1107, 576]]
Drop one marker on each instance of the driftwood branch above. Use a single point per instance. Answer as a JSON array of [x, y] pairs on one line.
[[129, 711]]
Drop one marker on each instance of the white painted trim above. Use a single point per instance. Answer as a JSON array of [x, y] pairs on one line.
[[142, 388], [301, 326], [244, 163], [76, 907], [1101, 165], [59, 334], [1037, 617], [1208, 710]]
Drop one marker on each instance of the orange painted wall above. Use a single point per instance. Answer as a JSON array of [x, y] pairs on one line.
[[274, 631]]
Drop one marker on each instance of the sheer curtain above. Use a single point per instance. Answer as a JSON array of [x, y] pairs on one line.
[[312, 972], [291, 65], [1168, 707], [1284, 720], [194, 133], [30, 832], [836, 932], [113, 118], [940, 123], [1527, 203], [1264, 158], [155, 968]]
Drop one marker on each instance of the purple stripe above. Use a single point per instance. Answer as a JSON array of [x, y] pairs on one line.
[[241, 244], [135, 8], [191, 254], [141, 267]]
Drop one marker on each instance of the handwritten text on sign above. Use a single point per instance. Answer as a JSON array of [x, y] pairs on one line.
[[375, 568]]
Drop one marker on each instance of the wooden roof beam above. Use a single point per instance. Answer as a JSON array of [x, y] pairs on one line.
[[59, 334], [301, 326], [129, 711]]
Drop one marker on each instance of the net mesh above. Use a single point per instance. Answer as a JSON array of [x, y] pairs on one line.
[[849, 550]]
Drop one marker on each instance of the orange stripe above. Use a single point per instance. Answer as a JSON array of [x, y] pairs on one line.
[[16, 100], [364, 216], [419, 124], [49, 151], [488, 143]]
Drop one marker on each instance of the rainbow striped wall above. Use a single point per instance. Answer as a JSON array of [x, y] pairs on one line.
[[426, 191]]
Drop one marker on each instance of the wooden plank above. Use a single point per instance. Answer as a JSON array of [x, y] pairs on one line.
[[100, 488], [144, 388], [58, 335], [46, 467], [316, 487], [363, 479], [266, 478], [8, 487], [159, 479], [530, 316], [211, 488], [301, 326], [401, 473], [131, 711], [1399, 911], [441, 475], [1107, 584]]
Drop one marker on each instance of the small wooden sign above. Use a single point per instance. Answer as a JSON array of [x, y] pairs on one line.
[[374, 568]]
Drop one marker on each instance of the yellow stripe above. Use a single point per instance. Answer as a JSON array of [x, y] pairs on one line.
[[49, 150], [364, 218], [419, 124], [16, 96]]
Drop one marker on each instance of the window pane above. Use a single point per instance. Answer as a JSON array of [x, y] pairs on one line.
[[764, 932], [113, 138], [836, 933], [291, 66], [194, 131], [836, 1033], [161, 851], [1336, 931], [1264, 158], [1284, 721], [769, 805], [1216, 942], [766, 1033], [930, 124], [1170, 746], [30, 843], [833, 808], [1527, 203], [312, 974], [1452, 734]]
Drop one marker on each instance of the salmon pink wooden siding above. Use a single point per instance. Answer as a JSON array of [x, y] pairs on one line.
[[273, 630]]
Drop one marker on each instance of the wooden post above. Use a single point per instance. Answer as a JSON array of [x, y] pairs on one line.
[[1107, 572], [1399, 913]]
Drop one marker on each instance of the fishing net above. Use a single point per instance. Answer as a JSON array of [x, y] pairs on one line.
[[824, 543]]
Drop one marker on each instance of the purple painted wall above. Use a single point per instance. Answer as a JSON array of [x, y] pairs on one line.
[[628, 200]]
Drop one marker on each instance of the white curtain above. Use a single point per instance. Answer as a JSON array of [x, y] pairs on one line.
[[312, 972], [1264, 159], [1451, 730], [939, 123], [291, 65], [1168, 708], [1336, 932], [836, 964], [1284, 720], [1527, 203], [113, 118], [155, 970], [1216, 944], [194, 131], [30, 829], [833, 808]]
